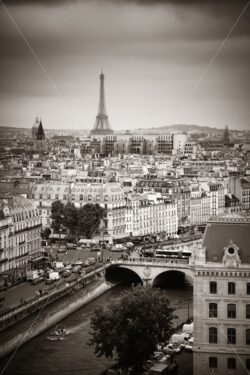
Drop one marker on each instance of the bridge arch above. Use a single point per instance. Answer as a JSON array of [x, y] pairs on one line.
[[173, 278], [122, 275]]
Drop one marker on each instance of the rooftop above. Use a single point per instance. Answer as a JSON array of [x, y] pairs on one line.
[[221, 230]]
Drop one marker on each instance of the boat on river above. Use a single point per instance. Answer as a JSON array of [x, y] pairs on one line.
[[58, 333]]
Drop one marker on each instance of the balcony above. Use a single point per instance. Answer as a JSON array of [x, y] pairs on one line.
[[4, 260]]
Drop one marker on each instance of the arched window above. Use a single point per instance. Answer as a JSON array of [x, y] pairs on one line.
[[248, 311], [231, 310], [248, 363], [231, 288], [213, 362], [248, 336], [231, 336], [248, 288], [212, 335], [213, 310], [231, 363], [213, 287]]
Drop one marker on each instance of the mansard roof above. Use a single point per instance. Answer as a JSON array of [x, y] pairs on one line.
[[219, 233]]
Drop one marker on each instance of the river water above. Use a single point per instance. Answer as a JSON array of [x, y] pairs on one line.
[[73, 355]]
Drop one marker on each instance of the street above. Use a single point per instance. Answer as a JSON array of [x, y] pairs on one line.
[[25, 290]]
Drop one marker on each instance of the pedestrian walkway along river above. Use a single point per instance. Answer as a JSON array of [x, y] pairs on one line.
[[73, 355]]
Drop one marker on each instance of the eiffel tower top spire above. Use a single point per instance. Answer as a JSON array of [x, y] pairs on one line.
[[102, 125]]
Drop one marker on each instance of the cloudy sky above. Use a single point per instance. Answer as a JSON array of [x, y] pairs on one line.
[[154, 55]]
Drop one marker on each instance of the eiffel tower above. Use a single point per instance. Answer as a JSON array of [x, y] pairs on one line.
[[102, 125]]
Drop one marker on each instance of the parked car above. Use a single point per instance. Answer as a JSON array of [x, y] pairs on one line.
[[173, 347], [95, 248], [189, 345], [77, 269], [118, 247], [71, 246], [165, 358], [78, 263], [181, 338], [68, 267], [158, 355], [37, 280], [66, 273], [92, 261], [86, 263], [62, 249]]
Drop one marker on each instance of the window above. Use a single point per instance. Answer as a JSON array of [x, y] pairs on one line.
[[213, 287], [231, 310], [213, 362], [213, 335], [231, 288], [247, 336], [213, 310], [248, 363], [231, 363], [247, 311], [231, 336], [248, 288]]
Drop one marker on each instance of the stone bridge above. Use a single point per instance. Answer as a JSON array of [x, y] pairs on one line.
[[149, 270]]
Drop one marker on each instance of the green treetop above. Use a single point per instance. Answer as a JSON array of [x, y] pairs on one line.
[[131, 327]]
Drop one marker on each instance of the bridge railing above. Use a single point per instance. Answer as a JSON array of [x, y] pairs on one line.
[[159, 261]]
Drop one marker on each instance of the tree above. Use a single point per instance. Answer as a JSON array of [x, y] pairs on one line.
[[46, 233], [70, 220], [131, 327], [57, 214], [89, 218]]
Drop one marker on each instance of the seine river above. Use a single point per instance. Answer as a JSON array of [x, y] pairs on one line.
[[73, 355]]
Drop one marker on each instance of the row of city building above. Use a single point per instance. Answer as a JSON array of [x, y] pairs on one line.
[[20, 237], [221, 304], [140, 145]]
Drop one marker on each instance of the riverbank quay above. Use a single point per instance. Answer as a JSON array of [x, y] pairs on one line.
[[50, 314], [63, 288]]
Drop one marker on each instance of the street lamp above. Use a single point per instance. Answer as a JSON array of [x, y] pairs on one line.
[[60, 228]]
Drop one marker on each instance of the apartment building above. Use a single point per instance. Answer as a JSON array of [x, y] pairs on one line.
[[20, 237], [108, 195], [152, 217], [240, 188], [222, 299]]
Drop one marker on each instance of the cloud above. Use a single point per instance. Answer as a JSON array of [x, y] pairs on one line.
[[140, 2], [153, 53]]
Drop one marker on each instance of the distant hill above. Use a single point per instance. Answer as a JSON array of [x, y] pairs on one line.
[[179, 128]]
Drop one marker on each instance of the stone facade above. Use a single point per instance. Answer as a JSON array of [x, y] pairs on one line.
[[20, 237], [222, 299]]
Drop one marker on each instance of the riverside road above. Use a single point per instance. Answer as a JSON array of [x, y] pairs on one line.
[[73, 354]]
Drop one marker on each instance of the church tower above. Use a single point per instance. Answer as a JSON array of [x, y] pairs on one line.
[[226, 138], [37, 130]]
